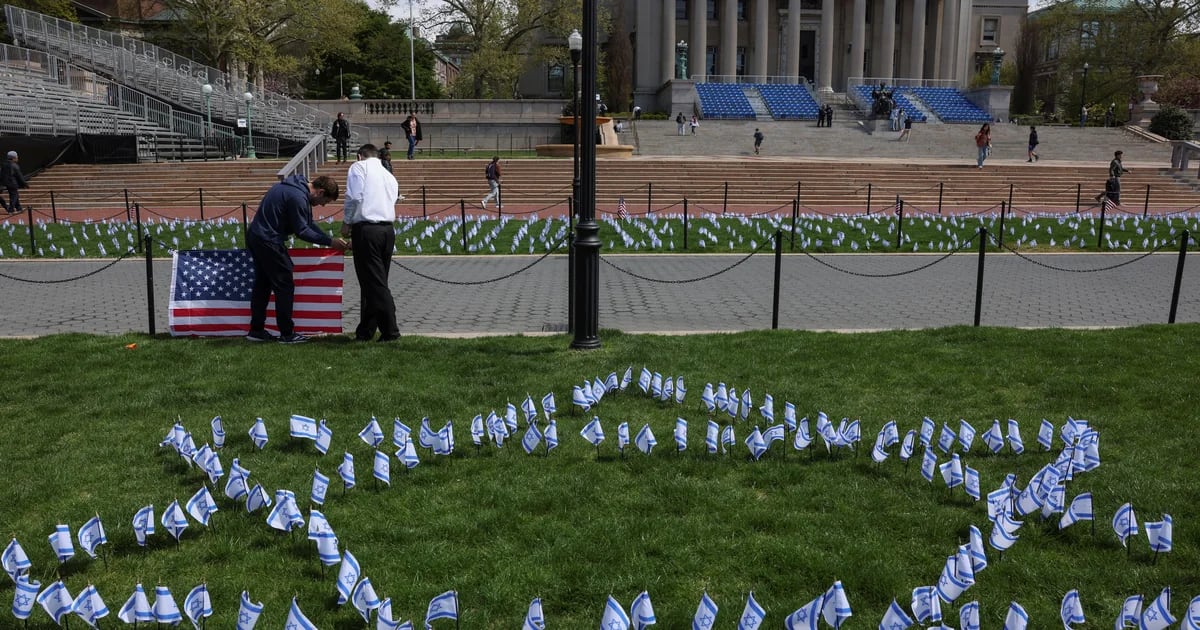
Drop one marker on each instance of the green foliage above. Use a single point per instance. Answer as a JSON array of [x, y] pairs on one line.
[[1173, 123], [64, 9], [983, 78], [1182, 90], [580, 523]]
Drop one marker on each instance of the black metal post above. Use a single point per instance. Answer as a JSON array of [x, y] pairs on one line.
[[1078, 195], [778, 267], [424, 207], [127, 209], [201, 203], [1103, 211], [462, 211], [1010, 194], [1146, 205], [899, 222], [725, 200], [795, 211], [32, 238], [149, 280], [979, 276], [571, 267], [587, 264], [245, 223], [941, 186], [685, 222], [649, 197], [53, 208], [1003, 209], [868, 198], [1183, 246], [137, 211], [577, 97]]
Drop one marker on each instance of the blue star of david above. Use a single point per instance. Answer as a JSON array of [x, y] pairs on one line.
[[750, 621], [23, 601], [320, 489], [202, 504], [803, 614], [1152, 614], [243, 618], [945, 581], [704, 621], [350, 579], [1123, 524], [292, 626], [436, 607], [197, 608], [614, 625]]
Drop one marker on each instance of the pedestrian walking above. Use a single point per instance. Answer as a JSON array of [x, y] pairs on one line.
[[412, 132], [983, 143], [694, 124], [493, 177], [679, 122], [1033, 142], [385, 156], [1112, 186], [758, 138], [369, 217], [341, 136], [12, 181], [907, 133]]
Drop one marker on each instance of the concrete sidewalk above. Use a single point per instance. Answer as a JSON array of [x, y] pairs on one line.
[[827, 292]]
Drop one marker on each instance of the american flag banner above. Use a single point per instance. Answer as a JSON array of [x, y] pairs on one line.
[[210, 292], [622, 208]]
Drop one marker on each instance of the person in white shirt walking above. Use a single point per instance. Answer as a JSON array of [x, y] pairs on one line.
[[369, 220]]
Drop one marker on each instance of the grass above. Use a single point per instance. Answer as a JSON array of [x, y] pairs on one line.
[[529, 234], [84, 415]]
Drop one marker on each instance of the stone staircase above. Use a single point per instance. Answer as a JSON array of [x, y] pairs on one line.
[[759, 106]]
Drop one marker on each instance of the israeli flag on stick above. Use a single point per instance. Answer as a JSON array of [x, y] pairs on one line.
[[409, 457], [580, 398], [1071, 610], [1079, 510], [928, 465], [756, 444], [807, 617], [906, 447], [218, 432], [444, 606], [752, 615], [348, 574], [477, 430], [92, 534], [533, 437], [201, 506], [836, 607], [994, 437], [550, 435], [645, 440], [971, 483], [612, 384], [548, 406], [256, 499], [1159, 533], [296, 619], [137, 607], [680, 434], [1014, 437], [952, 472], [165, 609], [382, 470], [968, 616], [401, 434], [1124, 523], [56, 600], [712, 436], [198, 605], [966, 435], [1191, 620], [346, 471], [721, 398], [642, 612], [593, 432], [1046, 434], [668, 389], [680, 390], [768, 409], [236, 487], [248, 612], [302, 427], [258, 434], [895, 618], [1017, 618], [364, 599], [622, 436], [727, 439], [372, 434], [384, 619], [60, 541], [1131, 612], [946, 439], [1158, 614], [25, 597], [320, 484], [614, 616], [529, 408], [925, 604], [709, 398], [534, 618], [14, 560], [927, 427], [627, 378], [706, 614], [644, 380], [747, 403], [789, 416], [324, 438]]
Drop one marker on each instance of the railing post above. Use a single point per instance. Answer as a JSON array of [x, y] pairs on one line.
[[53, 208], [201, 203], [245, 223], [462, 211], [1103, 211], [941, 186], [424, 211], [685, 222], [899, 222], [1010, 194], [868, 198], [137, 207], [1078, 194], [32, 238], [149, 280], [127, 217], [795, 211], [1183, 246], [778, 267], [1003, 209], [571, 281], [979, 276], [725, 199], [649, 197], [1146, 206]]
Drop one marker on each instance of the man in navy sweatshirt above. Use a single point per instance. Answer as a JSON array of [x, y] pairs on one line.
[[285, 210]]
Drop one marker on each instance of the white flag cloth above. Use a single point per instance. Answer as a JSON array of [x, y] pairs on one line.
[[1191, 620], [712, 437], [296, 619], [258, 434], [248, 612], [1071, 610], [532, 438], [364, 599], [706, 614], [752, 615], [320, 484], [1004, 532], [60, 541], [807, 617], [198, 605], [348, 574], [548, 406], [756, 444], [925, 604], [256, 499], [622, 436], [551, 435], [895, 618], [56, 601], [907, 446], [174, 520], [593, 432], [641, 612], [89, 606], [645, 439], [92, 534], [236, 487], [1157, 614], [14, 560], [165, 609], [994, 437], [372, 434], [1125, 523], [382, 469], [1079, 510], [1046, 434], [614, 617], [1017, 618], [444, 606], [218, 432], [302, 427], [534, 618], [137, 607], [1131, 612], [681, 426], [1014, 437], [25, 596], [1159, 533], [201, 506]]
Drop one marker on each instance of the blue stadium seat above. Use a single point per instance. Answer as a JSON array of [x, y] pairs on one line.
[[788, 102], [724, 101]]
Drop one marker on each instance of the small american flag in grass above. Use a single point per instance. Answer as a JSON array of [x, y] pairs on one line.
[[622, 208]]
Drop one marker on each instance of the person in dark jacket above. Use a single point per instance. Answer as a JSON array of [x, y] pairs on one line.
[[285, 210], [412, 132], [12, 180], [341, 135]]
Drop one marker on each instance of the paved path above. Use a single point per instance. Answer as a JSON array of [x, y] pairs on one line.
[[813, 296]]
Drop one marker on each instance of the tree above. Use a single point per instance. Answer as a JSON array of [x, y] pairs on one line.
[[64, 9], [379, 64], [1026, 61], [1173, 123], [497, 39], [619, 62]]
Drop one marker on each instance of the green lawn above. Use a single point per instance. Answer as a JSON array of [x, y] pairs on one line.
[[529, 234], [83, 417]]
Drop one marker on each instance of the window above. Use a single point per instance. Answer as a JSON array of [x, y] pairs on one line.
[[1052, 50], [870, 13], [681, 9], [741, 11], [711, 9], [991, 27], [710, 61], [554, 79], [741, 61], [1088, 31]]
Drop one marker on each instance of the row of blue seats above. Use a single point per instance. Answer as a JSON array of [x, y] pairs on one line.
[[902, 101], [947, 103], [724, 100], [788, 102]]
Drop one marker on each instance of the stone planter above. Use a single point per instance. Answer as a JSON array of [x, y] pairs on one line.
[[1141, 113]]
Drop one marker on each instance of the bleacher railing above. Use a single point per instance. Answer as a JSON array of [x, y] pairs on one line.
[[903, 82], [165, 74], [750, 78]]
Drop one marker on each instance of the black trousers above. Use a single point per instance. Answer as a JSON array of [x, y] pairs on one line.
[[343, 145], [272, 274], [373, 245], [14, 200]]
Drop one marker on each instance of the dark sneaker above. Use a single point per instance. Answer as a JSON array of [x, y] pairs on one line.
[[293, 338], [259, 335]]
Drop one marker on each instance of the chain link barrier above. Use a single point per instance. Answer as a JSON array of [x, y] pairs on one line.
[[689, 280], [893, 274], [472, 283], [71, 279], [1039, 263]]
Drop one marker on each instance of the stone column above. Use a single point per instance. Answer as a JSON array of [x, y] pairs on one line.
[[949, 39], [698, 44], [762, 37], [887, 41], [858, 41], [793, 39], [825, 62], [916, 67], [966, 47], [667, 44], [728, 46]]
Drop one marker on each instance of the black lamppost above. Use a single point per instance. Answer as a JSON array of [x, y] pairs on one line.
[[249, 97], [575, 44], [587, 246], [1083, 98]]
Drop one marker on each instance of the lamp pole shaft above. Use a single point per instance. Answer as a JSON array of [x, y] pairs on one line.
[[587, 245], [412, 56]]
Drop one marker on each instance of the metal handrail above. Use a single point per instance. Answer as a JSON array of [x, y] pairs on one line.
[[308, 160]]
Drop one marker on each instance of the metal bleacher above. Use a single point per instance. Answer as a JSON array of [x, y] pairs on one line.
[[947, 103], [724, 101], [789, 101], [140, 67]]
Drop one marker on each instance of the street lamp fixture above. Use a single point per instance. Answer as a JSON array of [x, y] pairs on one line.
[[586, 300], [249, 98], [575, 45], [997, 59], [1083, 98]]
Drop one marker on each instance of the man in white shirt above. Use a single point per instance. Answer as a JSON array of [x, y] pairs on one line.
[[369, 219]]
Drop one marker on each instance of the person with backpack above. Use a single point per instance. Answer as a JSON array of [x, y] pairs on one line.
[[679, 122], [1033, 142], [493, 177], [758, 138], [983, 143]]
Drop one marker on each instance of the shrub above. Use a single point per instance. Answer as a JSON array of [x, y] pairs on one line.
[[1173, 123]]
